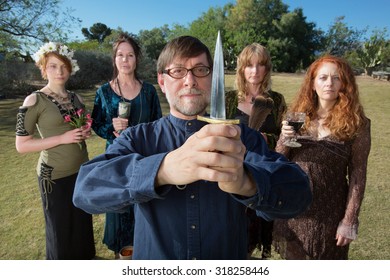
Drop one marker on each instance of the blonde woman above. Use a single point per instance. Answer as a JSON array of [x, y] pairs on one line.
[[255, 104]]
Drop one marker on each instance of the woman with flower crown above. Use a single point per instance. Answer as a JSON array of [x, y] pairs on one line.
[[58, 115]]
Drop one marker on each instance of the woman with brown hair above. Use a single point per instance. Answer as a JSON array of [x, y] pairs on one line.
[[336, 143], [140, 100]]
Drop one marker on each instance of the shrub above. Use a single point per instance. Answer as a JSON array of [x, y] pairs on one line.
[[20, 79], [94, 68], [16, 77]]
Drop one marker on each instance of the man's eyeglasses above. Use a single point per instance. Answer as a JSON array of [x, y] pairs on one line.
[[181, 72]]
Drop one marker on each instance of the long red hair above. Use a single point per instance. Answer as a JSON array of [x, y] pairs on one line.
[[347, 115]]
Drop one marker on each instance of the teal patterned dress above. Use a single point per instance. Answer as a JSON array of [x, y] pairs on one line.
[[145, 107]]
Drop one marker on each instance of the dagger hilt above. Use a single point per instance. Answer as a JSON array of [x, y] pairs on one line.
[[218, 121]]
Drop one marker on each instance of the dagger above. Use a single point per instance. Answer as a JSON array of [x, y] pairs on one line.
[[217, 106]]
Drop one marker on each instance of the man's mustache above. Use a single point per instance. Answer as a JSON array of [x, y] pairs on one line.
[[192, 91]]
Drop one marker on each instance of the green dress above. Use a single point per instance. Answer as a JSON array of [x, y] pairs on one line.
[[69, 230]]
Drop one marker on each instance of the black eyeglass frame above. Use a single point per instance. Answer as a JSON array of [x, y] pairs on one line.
[[168, 71]]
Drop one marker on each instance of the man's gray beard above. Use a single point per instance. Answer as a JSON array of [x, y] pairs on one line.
[[196, 107], [194, 110]]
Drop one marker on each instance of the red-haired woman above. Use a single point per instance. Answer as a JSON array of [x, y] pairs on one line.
[[336, 143], [62, 147]]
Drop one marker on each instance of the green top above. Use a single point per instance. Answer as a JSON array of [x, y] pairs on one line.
[[64, 160]]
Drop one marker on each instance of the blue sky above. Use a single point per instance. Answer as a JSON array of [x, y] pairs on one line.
[[136, 15]]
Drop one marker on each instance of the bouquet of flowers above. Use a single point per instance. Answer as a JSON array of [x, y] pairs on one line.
[[79, 119]]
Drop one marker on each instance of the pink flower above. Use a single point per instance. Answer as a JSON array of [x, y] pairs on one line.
[[78, 119], [88, 124], [80, 112], [68, 118]]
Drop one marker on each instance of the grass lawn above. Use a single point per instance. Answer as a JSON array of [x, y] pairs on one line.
[[22, 232]]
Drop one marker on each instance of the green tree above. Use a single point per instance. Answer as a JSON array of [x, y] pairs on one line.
[[294, 44], [206, 27], [106, 46], [98, 31], [153, 41], [31, 22], [7, 45], [92, 46], [341, 39], [25, 24], [370, 52], [291, 40], [252, 21], [386, 56], [177, 30]]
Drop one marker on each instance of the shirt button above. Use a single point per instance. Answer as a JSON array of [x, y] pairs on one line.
[[189, 123], [193, 227], [192, 196], [193, 258], [279, 202]]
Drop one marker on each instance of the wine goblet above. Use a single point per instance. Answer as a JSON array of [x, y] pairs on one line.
[[296, 120]]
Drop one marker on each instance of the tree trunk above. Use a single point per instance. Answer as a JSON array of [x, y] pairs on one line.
[[368, 71]]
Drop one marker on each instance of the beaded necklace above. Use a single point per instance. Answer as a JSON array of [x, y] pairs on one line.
[[58, 97]]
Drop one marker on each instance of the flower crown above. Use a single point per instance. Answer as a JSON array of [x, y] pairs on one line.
[[60, 49]]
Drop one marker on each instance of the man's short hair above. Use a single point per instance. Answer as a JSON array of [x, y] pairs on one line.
[[183, 47]]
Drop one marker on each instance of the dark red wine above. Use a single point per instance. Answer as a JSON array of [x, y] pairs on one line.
[[297, 125]]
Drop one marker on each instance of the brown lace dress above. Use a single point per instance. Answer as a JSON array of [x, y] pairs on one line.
[[337, 171]]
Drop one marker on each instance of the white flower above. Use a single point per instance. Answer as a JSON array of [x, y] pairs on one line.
[[63, 50], [37, 55], [60, 49], [50, 47], [70, 53], [75, 66]]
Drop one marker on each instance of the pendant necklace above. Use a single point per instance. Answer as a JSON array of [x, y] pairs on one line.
[[120, 91]]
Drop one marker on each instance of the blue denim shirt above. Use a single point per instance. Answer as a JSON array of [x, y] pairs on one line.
[[200, 221]]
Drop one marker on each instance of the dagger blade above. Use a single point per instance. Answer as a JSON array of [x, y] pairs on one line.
[[217, 106]]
